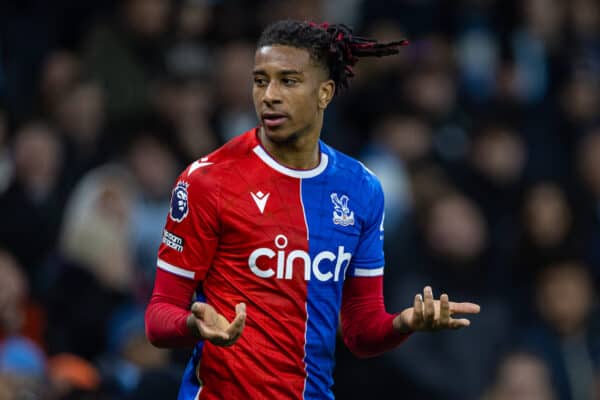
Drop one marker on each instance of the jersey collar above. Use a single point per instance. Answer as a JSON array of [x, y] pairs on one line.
[[294, 173]]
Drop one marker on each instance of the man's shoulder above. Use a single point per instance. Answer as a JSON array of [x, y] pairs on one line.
[[352, 168], [211, 166]]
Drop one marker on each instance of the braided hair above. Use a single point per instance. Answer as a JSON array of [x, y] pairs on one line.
[[331, 45]]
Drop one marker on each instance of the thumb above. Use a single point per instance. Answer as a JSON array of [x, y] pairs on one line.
[[240, 308], [200, 309]]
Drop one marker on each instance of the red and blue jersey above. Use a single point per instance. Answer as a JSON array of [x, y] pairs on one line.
[[251, 230]]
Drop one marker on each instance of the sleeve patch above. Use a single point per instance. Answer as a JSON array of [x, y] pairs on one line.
[[179, 202], [173, 241]]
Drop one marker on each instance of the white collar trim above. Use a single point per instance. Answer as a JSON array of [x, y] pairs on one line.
[[294, 173]]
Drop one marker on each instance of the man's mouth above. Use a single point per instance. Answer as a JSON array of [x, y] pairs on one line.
[[274, 119]]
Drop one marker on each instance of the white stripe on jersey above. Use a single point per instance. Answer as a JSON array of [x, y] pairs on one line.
[[174, 269], [368, 272], [294, 173]]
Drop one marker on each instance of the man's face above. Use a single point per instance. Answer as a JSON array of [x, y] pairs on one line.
[[290, 92]]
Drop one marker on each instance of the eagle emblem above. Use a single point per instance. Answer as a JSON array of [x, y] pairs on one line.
[[341, 213]]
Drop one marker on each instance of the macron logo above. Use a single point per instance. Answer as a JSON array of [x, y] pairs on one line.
[[199, 164], [260, 199]]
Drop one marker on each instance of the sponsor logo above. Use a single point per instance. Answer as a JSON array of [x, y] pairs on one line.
[[179, 202], [260, 199], [325, 266], [341, 213], [173, 241]]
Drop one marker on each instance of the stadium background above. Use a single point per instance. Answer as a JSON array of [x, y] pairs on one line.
[[484, 132]]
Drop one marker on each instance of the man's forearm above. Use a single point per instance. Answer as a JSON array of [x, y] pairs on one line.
[[167, 326], [168, 314], [367, 328]]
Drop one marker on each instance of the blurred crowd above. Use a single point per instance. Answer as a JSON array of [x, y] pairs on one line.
[[485, 133]]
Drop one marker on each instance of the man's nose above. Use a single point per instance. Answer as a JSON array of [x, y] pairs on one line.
[[272, 94]]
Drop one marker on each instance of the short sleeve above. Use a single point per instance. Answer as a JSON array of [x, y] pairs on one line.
[[190, 235], [368, 259]]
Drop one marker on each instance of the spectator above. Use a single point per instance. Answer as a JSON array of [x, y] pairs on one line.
[[234, 111], [588, 215], [522, 376], [184, 104], [398, 143], [80, 117], [6, 167], [93, 263], [130, 357], [14, 291], [454, 256], [22, 361], [60, 73], [547, 222], [72, 376], [190, 54], [127, 55], [33, 201], [567, 334], [494, 179], [154, 169]]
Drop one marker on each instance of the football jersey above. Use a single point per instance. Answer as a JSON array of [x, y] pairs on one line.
[[281, 240]]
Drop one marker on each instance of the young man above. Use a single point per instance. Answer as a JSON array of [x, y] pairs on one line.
[[281, 233]]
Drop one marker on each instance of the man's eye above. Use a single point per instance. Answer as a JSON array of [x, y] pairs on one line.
[[260, 81], [289, 82]]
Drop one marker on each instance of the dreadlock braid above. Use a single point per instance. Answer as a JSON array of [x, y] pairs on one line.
[[331, 45]]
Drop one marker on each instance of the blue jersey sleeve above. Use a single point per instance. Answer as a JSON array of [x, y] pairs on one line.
[[368, 259]]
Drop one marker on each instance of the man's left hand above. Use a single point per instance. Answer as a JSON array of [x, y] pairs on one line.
[[428, 314]]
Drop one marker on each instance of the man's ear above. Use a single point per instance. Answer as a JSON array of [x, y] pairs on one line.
[[326, 92]]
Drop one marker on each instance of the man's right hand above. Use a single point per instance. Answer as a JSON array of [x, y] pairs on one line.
[[206, 323]]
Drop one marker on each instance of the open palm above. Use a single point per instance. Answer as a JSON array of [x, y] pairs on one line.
[[428, 314], [215, 328]]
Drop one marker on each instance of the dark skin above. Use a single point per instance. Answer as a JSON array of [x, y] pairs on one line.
[[291, 92], [288, 81]]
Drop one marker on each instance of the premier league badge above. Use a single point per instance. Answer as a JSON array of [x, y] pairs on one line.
[[179, 202]]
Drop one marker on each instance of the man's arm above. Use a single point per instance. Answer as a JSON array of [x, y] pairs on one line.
[[367, 328], [170, 323], [168, 311]]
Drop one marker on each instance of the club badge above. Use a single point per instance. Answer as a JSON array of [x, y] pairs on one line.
[[341, 213]]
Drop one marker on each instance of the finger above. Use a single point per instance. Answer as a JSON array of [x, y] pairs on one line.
[[429, 306], [240, 307], [237, 325], [198, 309], [459, 323], [418, 309], [464, 308], [202, 311], [444, 310]]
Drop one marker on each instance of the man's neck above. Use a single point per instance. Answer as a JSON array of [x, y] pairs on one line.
[[302, 153]]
